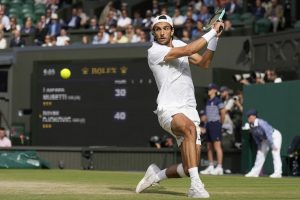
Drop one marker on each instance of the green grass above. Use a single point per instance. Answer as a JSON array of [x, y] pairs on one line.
[[99, 185]]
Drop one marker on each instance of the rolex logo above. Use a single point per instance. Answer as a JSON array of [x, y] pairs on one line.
[[85, 71], [123, 69]]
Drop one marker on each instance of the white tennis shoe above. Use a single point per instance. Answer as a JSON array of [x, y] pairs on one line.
[[198, 191], [149, 179], [251, 174], [217, 171], [208, 170], [275, 175]]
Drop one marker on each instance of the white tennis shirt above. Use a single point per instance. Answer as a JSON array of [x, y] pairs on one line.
[[173, 78]]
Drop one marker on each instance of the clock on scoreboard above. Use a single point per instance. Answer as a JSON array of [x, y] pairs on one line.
[[102, 102]]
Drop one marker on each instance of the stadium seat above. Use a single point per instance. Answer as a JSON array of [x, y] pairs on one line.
[[262, 26], [29, 2], [5, 2], [13, 12], [234, 16]]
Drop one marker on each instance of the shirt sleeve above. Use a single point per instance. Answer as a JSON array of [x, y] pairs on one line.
[[157, 54], [229, 104], [268, 129], [220, 104]]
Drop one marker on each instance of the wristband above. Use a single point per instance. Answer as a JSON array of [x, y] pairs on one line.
[[211, 34], [212, 44]]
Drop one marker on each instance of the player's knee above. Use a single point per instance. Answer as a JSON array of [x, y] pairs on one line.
[[190, 131]]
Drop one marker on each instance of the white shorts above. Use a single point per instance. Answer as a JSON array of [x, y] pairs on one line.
[[165, 118]]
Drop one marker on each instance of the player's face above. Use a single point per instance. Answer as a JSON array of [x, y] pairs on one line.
[[163, 33]]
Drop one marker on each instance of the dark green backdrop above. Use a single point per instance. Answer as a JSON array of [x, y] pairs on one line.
[[278, 104]]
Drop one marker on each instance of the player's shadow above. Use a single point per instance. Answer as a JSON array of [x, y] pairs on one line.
[[157, 190]]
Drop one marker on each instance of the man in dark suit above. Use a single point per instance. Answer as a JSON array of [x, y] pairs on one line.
[[17, 40], [54, 26], [74, 21]]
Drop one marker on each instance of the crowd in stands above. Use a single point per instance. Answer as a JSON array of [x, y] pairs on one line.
[[114, 24]]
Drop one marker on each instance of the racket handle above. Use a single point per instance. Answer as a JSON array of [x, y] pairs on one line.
[[220, 29]]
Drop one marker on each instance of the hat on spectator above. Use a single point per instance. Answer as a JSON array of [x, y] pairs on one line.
[[162, 18], [213, 86], [251, 111], [224, 88], [54, 16]]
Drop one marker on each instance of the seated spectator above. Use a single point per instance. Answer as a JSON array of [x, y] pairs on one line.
[[28, 27], [40, 33], [185, 36], [17, 40], [112, 38], [3, 42], [124, 20], [232, 7], [102, 37], [130, 34], [74, 21], [258, 11], [155, 8], [121, 38], [14, 25], [143, 36], [52, 5], [49, 41], [204, 15], [48, 16], [137, 19], [110, 19], [198, 31], [147, 21], [178, 19], [4, 19], [84, 18], [43, 21], [85, 39], [4, 140], [54, 26], [93, 24], [276, 15], [63, 39]]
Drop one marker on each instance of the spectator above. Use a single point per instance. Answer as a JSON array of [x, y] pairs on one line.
[[258, 10], [215, 117], [112, 38], [54, 26], [198, 31], [63, 39], [4, 140], [3, 42], [17, 40], [203, 122], [40, 33], [137, 19], [52, 5], [121, 38], [272, 77], [93, 24], [28, 27], [155, 8], [147, 22], [49, 41], [130, 34], [110, 19], [265, 137], [228, 125], [236, 116], [178, 19], [85, 39], [185, 36], [276, 15], [84, 18], [74, 21], [14, 25], [204, 15], [48, 16], [124, 20], [102, 37], [4, 19], [232, 7], [43, 21], [143, 36]]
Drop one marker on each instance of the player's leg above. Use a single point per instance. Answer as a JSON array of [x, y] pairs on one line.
[[277, 139], [259, 161], [182, 126]]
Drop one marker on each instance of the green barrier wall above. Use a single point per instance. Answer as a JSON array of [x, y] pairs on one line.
[[279, 105]]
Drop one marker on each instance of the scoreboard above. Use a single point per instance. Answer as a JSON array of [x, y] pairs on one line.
[[103, 102]]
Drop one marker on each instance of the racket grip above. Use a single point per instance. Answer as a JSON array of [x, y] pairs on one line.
[[220, 29]]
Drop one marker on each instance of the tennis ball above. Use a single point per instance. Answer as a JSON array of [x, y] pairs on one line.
[[65, 73]]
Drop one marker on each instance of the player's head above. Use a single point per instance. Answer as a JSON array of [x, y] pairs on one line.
[[162, 29], [251, 115]]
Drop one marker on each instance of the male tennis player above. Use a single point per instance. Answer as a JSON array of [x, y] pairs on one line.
[[169, 61]]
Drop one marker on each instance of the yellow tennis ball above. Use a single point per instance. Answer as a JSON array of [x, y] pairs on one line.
[[65, 73]]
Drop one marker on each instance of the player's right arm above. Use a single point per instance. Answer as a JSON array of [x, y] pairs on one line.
[[193, 47]]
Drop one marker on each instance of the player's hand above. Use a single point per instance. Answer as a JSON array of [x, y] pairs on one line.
[[219, 27]]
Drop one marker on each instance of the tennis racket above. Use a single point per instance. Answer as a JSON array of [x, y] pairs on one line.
[[218, 16]]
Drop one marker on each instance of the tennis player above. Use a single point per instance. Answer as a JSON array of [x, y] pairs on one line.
[[169, 61]]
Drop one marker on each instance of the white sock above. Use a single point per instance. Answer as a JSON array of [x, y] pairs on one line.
[[194, 175], [161, 175]]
